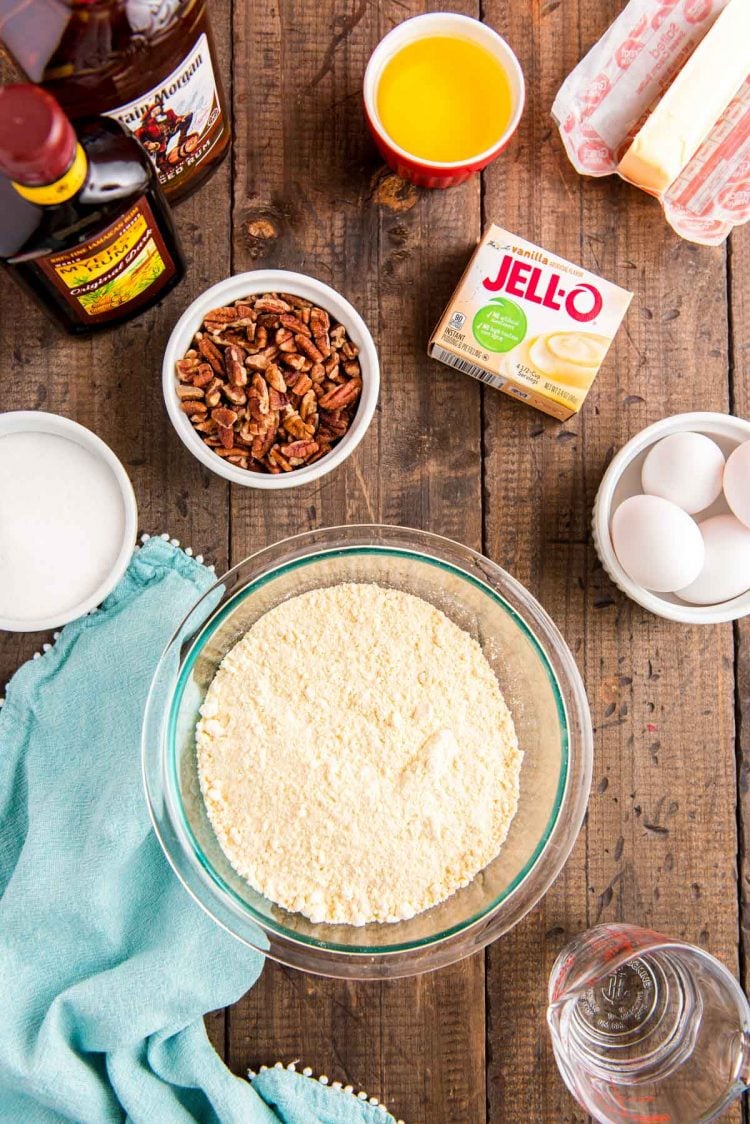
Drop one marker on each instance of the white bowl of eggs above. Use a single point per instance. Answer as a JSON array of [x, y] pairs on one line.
[[672, 518]]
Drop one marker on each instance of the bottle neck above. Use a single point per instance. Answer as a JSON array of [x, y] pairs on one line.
[[39, 150], [61, 189]]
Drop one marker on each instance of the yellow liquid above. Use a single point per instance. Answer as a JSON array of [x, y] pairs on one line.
[[444, 99]]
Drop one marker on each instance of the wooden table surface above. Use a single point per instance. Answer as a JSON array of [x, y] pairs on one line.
[[664, 839]]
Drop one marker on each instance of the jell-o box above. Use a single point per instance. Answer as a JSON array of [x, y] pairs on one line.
[[529, 323]]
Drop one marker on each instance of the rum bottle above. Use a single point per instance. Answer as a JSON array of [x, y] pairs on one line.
[[84, 227], [149, 64]]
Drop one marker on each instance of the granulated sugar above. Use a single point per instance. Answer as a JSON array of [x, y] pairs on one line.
[[356, 756], [62, 520]]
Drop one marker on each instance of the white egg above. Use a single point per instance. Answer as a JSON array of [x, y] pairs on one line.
[[686, 468], [737, 482], [657, 544], [726, 570]]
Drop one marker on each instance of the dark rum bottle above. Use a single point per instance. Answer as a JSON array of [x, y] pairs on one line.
[[149, 64], [84, 226]]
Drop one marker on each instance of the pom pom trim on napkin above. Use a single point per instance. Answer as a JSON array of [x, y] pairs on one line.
[[361, 1095]]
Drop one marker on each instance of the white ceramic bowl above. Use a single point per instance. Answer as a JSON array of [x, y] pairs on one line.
[[270, 281], [37, 421], [623, 479]]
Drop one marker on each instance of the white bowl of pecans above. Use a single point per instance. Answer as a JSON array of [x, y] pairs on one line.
[[271, 378]]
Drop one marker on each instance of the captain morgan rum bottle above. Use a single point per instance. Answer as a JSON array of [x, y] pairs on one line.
[[84, 227], [149, 64]]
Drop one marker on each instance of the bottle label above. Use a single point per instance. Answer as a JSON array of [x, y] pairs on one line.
[[179, 121], [122, 267]]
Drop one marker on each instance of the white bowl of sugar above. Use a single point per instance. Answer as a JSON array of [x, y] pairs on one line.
[[68, 521]]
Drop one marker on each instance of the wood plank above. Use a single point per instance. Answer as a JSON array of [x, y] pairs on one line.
[[661, 816], [112, 384], [523, 506], [310, 195], [739, 272], [216, 1024], [661, 838]]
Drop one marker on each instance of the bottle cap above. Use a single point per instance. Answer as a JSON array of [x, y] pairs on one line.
[[37, 141]]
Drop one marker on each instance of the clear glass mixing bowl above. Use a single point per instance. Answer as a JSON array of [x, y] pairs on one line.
[[541, 685]]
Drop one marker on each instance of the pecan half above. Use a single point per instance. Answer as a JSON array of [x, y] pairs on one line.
[[203, 375], [256, 362], [263, 443], [258, 397], [271, 304], [296, 362], [301, 449], [296, 427], [226, 435], [320, 321], [218, 317], [274, 378], [294, 324], [308, 406], [235, 363], [323, 344], [303, 384], [187, 367], [194, 409], [341, 395], [213, 392], [225, 417], [276, 398], [209, 349], [308, 348], [235, 394]]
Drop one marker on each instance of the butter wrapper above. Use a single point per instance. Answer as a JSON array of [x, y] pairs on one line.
[[603, 103], [529, 323]]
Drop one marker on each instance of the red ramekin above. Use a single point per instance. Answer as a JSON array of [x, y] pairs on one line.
[[425, 173]]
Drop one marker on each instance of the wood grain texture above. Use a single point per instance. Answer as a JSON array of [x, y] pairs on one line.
[[659, 842], [534, 527], [303, 190], [310, 196], [739, 366]]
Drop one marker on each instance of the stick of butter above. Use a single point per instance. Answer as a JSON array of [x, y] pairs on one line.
[[693, 103]]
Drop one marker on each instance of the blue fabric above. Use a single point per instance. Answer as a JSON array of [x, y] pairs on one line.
[[106, 963], [299, 1100]]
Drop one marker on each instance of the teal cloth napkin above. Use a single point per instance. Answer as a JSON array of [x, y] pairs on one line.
[[106, 963]]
